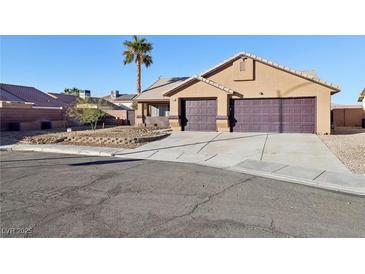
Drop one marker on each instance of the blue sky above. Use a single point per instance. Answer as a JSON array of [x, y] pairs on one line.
[[52, 63]]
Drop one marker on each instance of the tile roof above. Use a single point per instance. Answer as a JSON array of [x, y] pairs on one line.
[[334, 106], [64, 99], [157, 90], [215, 84], [103, 104], [30, 95], [120, 97], [6, 96], [310, 76], [361, 96]]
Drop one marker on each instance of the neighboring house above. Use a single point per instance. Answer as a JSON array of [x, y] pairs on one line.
[[27, 108], [362, 98], [114, 114], [120, 99], [347, 115], [244, 93], [65, 100]]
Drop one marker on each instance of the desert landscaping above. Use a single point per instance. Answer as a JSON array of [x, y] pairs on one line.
[[348, 144], [121, 136]]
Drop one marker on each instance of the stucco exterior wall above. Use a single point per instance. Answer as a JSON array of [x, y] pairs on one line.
[[201, 90], [140, 114], [268, 82]]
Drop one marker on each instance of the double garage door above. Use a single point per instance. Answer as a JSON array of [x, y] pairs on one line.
[[274, 115], [253, 115]]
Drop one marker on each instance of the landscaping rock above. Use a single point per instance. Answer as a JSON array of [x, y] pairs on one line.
[[349, 147], [126, 137]]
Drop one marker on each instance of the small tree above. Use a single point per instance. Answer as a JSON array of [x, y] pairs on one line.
[[72, 91], [85, 114], [134, 105]]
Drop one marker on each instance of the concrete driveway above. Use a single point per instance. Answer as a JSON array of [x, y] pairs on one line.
[[230, 149]]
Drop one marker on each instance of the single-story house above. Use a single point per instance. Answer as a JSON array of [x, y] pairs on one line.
[[125, 99], [362, 98], [244, 93], [114, 114], [347, 115], [27, 108]]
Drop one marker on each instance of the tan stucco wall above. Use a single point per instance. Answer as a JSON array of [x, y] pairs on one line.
[[269, 81], [201, 90], [247, 74], [140, 113]]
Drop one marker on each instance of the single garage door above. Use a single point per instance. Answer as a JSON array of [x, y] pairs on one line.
[[199, 115], [273, 115]]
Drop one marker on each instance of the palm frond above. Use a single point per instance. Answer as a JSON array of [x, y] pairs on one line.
[[128, 57], [137, 50], [147, 60]]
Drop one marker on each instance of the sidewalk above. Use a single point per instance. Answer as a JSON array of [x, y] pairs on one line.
[[320, 178]]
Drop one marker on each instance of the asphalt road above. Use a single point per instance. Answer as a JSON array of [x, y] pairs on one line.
[[53, 195]]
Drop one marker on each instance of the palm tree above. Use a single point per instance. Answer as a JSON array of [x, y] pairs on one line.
[[138, 50]]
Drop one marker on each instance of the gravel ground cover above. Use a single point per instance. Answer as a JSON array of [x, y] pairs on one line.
[[60, 137], [349, 146], [12, 137]]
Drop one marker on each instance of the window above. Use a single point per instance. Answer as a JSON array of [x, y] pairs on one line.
[[243, 65], [14, 126], [159, 110], [46, 125]]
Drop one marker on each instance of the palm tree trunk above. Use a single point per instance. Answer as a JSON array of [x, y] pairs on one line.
[[138, 77]]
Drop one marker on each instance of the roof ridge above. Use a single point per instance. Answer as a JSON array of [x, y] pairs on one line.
[[298, 72], [151, 86], [18, 85], [173, 77], [215, 84], [263, 60]]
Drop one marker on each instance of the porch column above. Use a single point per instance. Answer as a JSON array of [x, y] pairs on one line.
[[140, 114], [222, 118], [174, 114]]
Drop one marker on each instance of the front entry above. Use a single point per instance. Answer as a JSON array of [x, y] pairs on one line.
[[296, 115], [198, 114]]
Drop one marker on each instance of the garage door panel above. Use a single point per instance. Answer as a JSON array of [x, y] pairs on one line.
[[199, 115], [274, 115]]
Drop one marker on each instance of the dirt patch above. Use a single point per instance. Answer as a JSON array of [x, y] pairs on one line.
[[126, 137], [348, 144]]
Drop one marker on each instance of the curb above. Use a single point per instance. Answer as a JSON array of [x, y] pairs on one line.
[[301, 181]]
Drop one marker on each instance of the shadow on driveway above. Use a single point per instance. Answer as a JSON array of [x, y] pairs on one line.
[[47, 159], [105, 162]]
